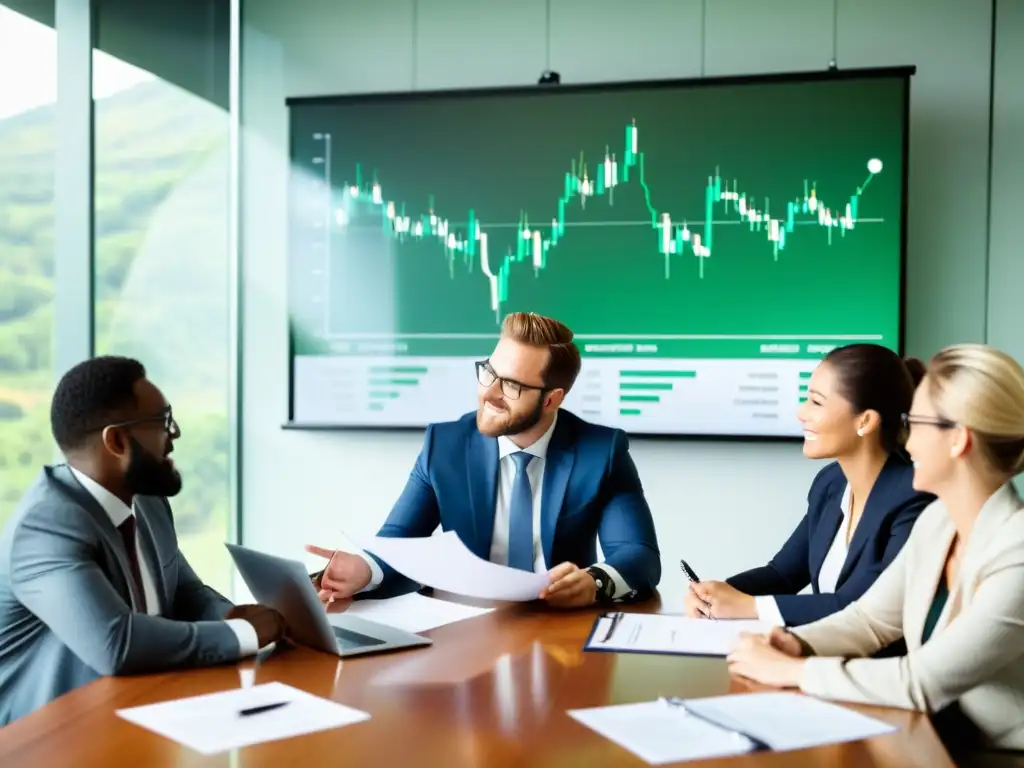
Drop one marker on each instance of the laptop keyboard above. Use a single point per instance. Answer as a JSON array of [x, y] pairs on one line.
[[348, 640]]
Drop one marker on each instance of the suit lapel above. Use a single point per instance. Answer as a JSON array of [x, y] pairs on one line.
[[878, 502], [918, 604], [557, 469], [482, 459], [994, 514], [115, 543]]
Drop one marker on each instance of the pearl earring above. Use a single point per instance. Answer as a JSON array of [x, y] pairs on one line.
[[860, 433]]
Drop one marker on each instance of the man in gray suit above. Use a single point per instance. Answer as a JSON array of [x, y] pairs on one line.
[[91, 578]]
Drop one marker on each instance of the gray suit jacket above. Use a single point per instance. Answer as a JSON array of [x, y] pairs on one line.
[[975, 655], [65, 600]]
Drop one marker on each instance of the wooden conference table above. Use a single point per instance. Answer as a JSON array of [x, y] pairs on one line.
[[492, 691]]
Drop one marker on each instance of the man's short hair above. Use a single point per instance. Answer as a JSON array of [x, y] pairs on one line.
[[90, 395], [538, 331]]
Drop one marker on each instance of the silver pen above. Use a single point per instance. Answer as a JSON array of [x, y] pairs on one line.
[[676, 703]]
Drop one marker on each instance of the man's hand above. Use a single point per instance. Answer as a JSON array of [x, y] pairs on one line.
[[722, 601], [268, 623], [344, 575], [570, 587]]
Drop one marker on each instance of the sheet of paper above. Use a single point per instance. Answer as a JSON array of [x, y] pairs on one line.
[[412, 612], [443, 562], [660, 633], [658, 733], [211, 723]]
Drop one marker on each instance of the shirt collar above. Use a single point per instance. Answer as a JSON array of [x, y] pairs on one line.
[[538, 449], [116, 509], [844, 503]]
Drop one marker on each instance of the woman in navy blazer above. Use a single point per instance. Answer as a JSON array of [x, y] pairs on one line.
[[860, 508]]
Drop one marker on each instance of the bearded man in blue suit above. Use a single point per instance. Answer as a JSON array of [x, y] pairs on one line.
[[523, 483]]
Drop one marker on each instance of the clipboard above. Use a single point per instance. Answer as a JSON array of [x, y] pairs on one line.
[[663, 634]]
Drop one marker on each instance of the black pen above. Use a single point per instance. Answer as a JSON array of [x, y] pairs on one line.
[[691, 576], [263, 708], [616, 618]]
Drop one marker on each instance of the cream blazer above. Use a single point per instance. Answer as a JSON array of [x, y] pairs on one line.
[[976, 651]]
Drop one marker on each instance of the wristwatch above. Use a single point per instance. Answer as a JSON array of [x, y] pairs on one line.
[[605, 585]]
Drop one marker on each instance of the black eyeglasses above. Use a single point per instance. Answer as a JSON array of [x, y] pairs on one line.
[[932, 421], [511, 388], [166, 416]]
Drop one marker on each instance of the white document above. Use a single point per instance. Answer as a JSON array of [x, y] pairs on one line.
[[661, 633], [444, 562], [211, 723], [659, 733], [412, 612]]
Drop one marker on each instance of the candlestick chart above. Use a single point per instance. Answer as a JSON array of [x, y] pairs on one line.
[[754, 221], [464, 246]]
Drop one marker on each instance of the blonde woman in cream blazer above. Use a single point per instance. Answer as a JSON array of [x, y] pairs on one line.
[[955, 593]]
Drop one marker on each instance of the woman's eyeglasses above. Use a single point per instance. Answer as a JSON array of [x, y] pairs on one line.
[[933, 421]]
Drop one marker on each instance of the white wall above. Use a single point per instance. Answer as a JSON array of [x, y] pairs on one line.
[[1006, 252], [723, 506]]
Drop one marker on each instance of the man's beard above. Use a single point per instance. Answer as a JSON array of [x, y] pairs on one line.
[[147, 475], [514, 426]]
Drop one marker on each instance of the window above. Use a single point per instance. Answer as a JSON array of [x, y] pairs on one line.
[[28, 93], [161, 190]]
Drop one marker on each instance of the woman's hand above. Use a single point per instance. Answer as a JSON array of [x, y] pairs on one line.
[[786, 642], [720, 601], [757, 658], [694, 606]]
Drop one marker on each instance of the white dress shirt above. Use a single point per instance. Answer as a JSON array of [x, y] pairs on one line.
[[502, 511], [831, 566], [118, 512]]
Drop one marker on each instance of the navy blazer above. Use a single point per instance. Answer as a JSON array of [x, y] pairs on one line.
[[591, 491], [891, 510]]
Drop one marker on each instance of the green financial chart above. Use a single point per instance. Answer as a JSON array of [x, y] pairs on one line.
[[756, 221]]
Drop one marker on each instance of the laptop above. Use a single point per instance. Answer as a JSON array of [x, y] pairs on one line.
[[285, 586]]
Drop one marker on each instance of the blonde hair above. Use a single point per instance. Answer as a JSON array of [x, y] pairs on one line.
[[981, 388], [564, 362]]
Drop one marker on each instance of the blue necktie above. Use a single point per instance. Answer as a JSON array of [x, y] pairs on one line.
[[520, 526]]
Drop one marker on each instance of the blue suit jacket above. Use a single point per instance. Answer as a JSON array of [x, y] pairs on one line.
[[591, 491], [892, 508]]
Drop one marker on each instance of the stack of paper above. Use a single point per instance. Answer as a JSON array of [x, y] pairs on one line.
[[661, 633], [215, 723], [412, 612], [659, 732]]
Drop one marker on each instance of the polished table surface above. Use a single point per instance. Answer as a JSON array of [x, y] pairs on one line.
[[491, 691]]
